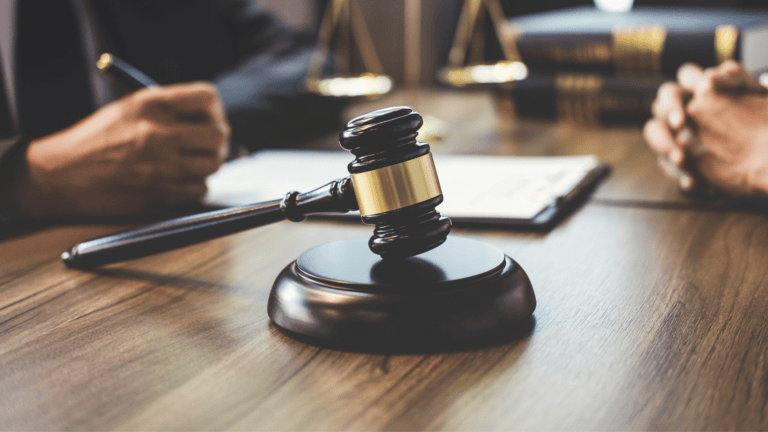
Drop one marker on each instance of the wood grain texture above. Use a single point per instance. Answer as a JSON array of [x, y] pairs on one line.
[[647, 319]]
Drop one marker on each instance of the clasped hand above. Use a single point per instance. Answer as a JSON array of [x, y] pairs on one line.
[[153, 148], [710, 130]]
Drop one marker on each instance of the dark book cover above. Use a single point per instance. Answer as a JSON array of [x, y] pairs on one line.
[[652, 40], [589, 99]]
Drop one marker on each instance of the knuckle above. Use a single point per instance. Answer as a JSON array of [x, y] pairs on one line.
[[667, 86], [209, 88], [695, 107], [224, 130], [144, 99], [202, 189], [197, 171], [649, 129], [707, 84], [710, 73], [195, 191], [664, 88], [732, 65], [683, 69], [146, 134], [216, 136], [688, 66], [670, 94], [706, 87], [217, 132], [207, 92], [654, 137], [212, 167]]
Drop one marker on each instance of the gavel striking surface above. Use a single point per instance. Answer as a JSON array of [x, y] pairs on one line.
[[341, 294]]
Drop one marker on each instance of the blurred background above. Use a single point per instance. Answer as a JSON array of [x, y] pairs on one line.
[[438, 22], [585, 63]]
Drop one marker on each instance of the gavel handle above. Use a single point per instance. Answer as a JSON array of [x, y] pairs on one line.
[[335, 197]]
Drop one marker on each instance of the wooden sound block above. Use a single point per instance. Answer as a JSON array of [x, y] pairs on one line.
[[342, 294]]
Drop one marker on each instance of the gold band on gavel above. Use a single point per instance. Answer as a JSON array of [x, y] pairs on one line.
[[396, 186]]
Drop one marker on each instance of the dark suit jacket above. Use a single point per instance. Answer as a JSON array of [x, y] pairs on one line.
[[258, 65]]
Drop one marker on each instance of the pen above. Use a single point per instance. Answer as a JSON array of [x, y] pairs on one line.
[[123, 72]]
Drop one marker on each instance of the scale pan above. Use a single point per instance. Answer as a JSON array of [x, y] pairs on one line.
[[367, 84], [483, 74]]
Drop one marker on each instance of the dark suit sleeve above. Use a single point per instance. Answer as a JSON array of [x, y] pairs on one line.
[[264, 93], [12, 150], [257, 64]]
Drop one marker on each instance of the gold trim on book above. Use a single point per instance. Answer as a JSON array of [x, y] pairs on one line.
[[599, 53], [578, 98], [638, 49], [725, 42], [396, 186]]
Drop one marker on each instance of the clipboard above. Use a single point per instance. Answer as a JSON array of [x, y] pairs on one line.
[[511, 191]]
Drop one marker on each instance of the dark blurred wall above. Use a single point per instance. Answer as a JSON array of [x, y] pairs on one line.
[[300, 14]]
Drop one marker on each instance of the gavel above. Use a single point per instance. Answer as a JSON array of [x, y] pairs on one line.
[[393, 182], [407, 291]]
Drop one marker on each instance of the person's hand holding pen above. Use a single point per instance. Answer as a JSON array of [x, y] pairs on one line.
[[710, 130], [152, 148]]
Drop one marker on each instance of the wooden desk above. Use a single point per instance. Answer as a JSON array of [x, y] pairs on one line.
[[646, 319]]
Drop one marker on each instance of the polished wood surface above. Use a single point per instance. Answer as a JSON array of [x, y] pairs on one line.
[[647, 318]]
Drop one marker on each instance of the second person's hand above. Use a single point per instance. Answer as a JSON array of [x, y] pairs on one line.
[[675, 132]]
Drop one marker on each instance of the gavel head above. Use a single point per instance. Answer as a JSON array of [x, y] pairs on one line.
[[395, 182]]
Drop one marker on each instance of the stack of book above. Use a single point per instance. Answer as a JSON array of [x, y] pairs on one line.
[[599, 67]]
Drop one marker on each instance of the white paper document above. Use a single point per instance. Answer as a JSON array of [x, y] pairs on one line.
[[474, 187]]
